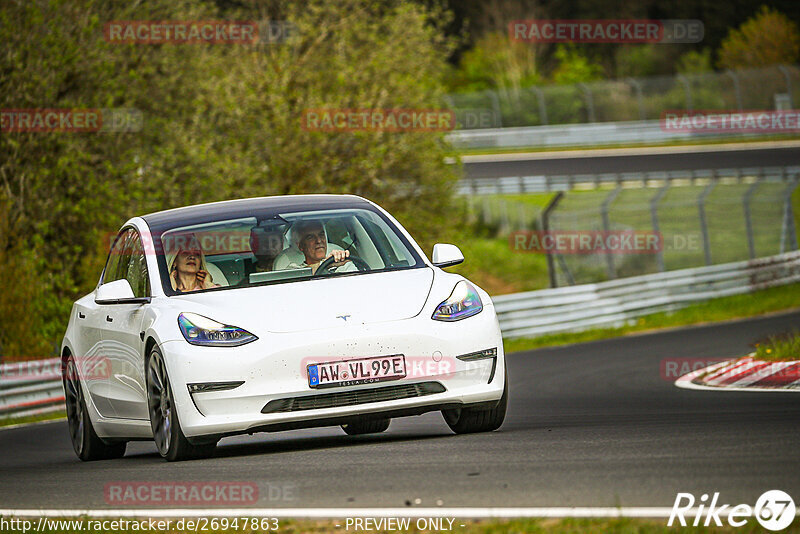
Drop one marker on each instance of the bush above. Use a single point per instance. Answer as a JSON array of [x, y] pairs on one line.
[[768, 38], [220, 122]]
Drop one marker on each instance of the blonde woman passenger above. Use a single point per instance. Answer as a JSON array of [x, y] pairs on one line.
[[188, 270]]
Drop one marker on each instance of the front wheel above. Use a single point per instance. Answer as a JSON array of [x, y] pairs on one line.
[[170, 440], [470, 420], [85, 441]]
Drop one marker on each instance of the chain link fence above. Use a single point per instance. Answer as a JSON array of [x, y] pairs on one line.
[[630, 99], [700, 218]]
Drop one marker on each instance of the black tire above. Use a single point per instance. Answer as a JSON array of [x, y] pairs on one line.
[[171, 443], [471, 420], [85, 441], [373, 426]]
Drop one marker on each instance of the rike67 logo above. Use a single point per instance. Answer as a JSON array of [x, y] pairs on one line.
[[774, 510]]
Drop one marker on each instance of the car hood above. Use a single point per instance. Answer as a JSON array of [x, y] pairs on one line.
[[317, 303]]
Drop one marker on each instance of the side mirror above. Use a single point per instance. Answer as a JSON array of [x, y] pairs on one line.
[[445, 255], [117, 292]]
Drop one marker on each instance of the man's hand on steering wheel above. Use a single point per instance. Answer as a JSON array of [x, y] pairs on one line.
[[343, 256], [339, 257]]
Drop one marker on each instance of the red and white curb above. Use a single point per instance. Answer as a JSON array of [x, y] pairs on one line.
[[745, 374]]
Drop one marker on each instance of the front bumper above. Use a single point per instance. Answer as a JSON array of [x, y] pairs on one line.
[[273, 369]]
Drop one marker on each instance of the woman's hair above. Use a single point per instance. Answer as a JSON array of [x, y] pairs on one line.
[[181, 243]]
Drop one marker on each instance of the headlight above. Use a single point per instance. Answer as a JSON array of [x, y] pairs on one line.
[[463, 302], [199, 330]]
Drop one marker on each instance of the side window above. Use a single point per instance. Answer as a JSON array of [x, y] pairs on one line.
[[116, 258], [126, 260], [336, 232], [137, 266]]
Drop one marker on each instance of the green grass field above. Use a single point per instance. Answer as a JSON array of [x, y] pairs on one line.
[[694, 142], [9, 421], [782, 347], [493, 264]]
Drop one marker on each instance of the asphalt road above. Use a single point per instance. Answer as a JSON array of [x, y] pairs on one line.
[[592, 424], [666, 161]]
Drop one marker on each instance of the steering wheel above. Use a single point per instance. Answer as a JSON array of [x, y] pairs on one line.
[[325, 266]]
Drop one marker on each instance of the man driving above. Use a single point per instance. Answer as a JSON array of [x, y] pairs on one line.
[[312, 241]]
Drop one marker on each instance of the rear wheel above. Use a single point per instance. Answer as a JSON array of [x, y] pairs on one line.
[[170, 440], [470, 420], [373, 426], [85, 441]]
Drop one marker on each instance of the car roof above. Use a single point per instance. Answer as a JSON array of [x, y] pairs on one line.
[[248, 207]]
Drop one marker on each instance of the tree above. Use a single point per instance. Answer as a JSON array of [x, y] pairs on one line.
[[497, 62], [769, 38], [220, 122], [574, 67]]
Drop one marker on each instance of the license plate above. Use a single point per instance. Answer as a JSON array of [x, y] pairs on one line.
[[354, 372]]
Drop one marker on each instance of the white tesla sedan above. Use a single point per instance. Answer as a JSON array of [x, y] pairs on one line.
[[272, 314]]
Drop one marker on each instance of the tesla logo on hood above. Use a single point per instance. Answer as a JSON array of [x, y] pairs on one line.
[[342, 317]]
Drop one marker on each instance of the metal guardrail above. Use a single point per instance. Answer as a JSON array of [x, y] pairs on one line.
[[35, 387], [30, 388], [505, 185], [591, 134], [616, 302]]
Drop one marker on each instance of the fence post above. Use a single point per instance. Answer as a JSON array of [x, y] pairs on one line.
[[654, 218], [545, 224], [639, 98], [736, 88], [788, 77], [607, 228], [787, 228], [687, 88], [587, 93], [496, 106], [542, 104], [701, 208], [748, 221], [505, 221], [565, 268], [487, 216], [522, 215]]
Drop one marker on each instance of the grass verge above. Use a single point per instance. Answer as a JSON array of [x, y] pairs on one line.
[[32, 418], [494, 266], [693, 142], [780, 348], [568, 525], [722, 309]]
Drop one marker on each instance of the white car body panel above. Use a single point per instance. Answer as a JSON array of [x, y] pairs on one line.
[[296, 323]]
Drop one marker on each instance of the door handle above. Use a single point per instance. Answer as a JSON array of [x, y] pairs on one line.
[[81, 316], [109, 319]]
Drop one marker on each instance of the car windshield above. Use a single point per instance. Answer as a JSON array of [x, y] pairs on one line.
[[281, 248]]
